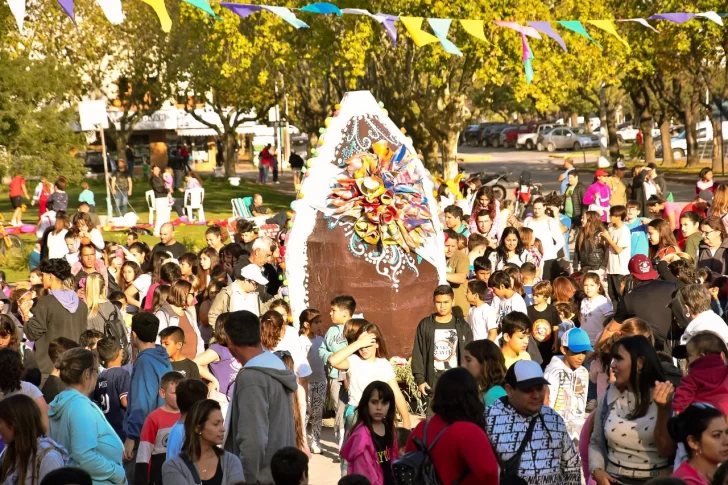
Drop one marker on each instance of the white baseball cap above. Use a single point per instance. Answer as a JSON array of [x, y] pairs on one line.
[[252, 272]]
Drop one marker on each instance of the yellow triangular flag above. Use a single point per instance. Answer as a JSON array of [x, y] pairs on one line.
[[161, 10], [608, 27], [474, 28], [414, 27]]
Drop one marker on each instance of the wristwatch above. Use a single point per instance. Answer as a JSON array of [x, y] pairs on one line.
[[594, 471]]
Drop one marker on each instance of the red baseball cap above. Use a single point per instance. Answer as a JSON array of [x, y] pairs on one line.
[[641, 268], [601, 173]]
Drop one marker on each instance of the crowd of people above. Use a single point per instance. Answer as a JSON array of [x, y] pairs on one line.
[[583, 341]]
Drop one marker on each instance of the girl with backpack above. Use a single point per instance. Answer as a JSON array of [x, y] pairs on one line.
[[100, 310], [28, 455], [372, 445]]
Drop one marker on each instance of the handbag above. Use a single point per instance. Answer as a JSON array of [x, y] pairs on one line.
[[510, 467]]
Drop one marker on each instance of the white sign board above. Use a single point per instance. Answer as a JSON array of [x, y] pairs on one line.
[[93, 115]]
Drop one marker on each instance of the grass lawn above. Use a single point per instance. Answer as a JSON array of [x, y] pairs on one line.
[[218, 193]]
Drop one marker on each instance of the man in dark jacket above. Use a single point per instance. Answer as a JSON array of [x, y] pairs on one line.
[[574, 204], [61, 313], [440, 341]]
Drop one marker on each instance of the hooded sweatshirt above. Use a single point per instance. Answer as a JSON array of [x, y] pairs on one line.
[[143, 398], [58, 314], [567, 393], [263, 395], [79, 425], [361, 455], [52, 456], [707, 381], [549, 457]]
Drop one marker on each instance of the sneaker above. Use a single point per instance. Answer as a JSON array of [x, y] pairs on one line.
[[591, 406], [315, 449]]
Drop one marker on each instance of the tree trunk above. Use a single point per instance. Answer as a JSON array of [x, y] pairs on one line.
[[229, 152], [691, 138], [646, 124], [666, 142], [603, 143], [449, 149], [717, 146], [612, 130], [574, 120]]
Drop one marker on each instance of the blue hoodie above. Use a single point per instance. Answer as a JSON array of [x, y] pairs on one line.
[[151, 365], [77, 424]]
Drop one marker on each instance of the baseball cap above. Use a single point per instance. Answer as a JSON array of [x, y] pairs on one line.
[[601, 173], [576, 340], [641, 268], [620, 165], [252, 272], [706, 195], [525, 374]]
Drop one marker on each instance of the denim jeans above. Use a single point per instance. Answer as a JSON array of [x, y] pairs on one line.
[[122, 201]]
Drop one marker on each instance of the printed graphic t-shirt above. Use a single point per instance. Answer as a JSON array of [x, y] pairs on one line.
[[446, 347], [383, 447]]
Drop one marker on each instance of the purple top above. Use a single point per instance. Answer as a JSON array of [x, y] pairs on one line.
[[225, 369]]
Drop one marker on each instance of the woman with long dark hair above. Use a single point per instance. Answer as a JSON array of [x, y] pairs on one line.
[[202, 459], [485, 200], [208, 260], [28, 455], [11, 364], [463, 450], [590, 249], [179, 311], [510, 250], [485, 361], [702, 430], [662, 240], [629, 443]]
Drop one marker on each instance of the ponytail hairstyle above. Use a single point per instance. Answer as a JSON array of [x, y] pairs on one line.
[[688, 427]]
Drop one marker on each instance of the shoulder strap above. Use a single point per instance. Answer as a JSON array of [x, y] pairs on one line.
[[527, 437], [192, 468], [39, 460], [424, 436]]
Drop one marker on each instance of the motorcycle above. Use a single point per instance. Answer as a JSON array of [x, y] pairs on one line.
[[524, 192], [496, 181]]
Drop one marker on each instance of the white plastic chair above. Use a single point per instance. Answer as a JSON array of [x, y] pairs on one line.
[[150, 203], [194, 199]]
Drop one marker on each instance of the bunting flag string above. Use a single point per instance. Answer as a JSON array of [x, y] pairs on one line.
[[414, 27], [676, 17], [640, 21], [529, 31], [161, 10], [711, 16], [17, 8], [112, 11], [527, 58], [474, 28], [244, 10], [322, 8], [576, 27], [387, 21], [441, 27], [546, 29], [68, 7], [608, 27], [204, 6]]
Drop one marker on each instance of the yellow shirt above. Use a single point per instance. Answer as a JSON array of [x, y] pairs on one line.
[[512, 360], [619, 191]]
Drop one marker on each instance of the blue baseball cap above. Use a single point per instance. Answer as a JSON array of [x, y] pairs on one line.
[[576, 340]]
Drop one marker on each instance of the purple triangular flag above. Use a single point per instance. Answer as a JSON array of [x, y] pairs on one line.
[[546, 29], [241, 10], [67, 6], [388, 22], [677, 17]]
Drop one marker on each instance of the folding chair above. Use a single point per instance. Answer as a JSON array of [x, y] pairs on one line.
[[149, 194], [194, 199]]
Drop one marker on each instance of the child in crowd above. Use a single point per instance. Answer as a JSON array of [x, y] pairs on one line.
[[152, 362], [58, 200], [372, 446], [34, 258], [595, 308], [506, 300], [132, 236], [454, 220], [484, 360], [705, 181], [189, 391], [545, 320], [707, 378], [618, 239], [53, 384], [566, 315], [112, 386], [89, 339], [289, 466], [309, 328], [87, 196], [481, 317], [168, 178], [71, 242], [516, 328], [638, 230], [173, 339], [342, 309], [153, 438], [569, 380], [35, 277], [482, 269], [528, 277]]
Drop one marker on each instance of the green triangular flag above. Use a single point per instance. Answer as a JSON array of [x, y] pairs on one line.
[[202, 5], [575, 26]]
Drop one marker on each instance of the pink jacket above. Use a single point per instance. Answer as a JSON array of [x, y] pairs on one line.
[[361, 456], [600, 191]]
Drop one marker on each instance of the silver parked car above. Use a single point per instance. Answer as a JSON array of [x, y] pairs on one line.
[[569, 139]]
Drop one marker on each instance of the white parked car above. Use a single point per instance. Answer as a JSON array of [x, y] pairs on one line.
[[528, 140], [629, 133]]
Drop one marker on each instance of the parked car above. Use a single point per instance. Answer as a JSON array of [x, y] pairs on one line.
[[679, 144], [509, 138], [629, 133], [470, 135], [491, 135], [528, 140], [487, 131], [94, 161], [569, 139]]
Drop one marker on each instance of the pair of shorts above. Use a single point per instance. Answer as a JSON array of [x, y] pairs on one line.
[[17, 202]]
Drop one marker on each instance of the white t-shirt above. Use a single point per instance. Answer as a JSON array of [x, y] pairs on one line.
[[593, 314], [548, 232], [27, 389], [497, 264], [142, 284], [291, 342], [362, 373], [619, 263], [240, 300], [57, 247], [503, 307], [481, 320]]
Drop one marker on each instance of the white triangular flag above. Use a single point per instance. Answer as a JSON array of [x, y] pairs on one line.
[[711, 16], [17, 7], [112, 10], [640, 21]]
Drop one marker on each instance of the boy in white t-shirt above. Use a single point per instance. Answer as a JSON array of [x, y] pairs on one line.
[[481, 317], [619, 248], [506, 300]]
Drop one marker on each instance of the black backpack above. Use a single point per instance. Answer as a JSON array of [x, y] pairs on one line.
[[115, 328], [416, 467]]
